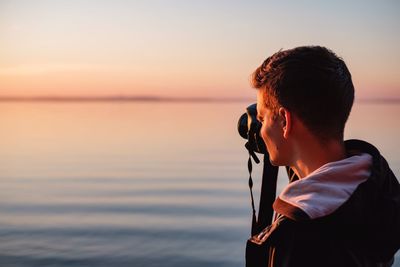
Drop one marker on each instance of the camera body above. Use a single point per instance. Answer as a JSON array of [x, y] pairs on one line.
[[249, 128]]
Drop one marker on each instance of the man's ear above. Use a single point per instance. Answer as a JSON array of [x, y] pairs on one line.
[[286, 121]]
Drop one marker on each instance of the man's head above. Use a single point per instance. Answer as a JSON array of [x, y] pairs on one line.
[[311, 82]]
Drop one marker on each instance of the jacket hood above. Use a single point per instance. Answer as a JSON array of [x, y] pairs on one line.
[[330, 186], [363, 208], [324, 190], [363, 215]]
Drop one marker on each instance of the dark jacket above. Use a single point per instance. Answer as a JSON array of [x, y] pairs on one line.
[[362, 231]]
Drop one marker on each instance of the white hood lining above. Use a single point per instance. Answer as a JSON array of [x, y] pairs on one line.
[[327, 188]]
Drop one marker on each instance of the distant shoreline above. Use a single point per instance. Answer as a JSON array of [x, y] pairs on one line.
[[119, 99], [158, 99]]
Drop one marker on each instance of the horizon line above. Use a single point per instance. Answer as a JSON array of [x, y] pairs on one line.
[[117, 98], [138, 98]]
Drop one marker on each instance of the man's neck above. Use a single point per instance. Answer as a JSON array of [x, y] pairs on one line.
[[312, 155]]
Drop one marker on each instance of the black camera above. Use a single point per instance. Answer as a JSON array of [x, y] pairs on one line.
[[249, 128]]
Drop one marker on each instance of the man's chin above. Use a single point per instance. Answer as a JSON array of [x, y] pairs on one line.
[[273, 162], [276, 162]]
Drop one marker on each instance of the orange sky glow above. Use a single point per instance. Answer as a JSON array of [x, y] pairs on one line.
[[185, 49]]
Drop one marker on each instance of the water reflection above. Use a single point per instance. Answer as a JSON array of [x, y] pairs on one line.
[[122, 184]]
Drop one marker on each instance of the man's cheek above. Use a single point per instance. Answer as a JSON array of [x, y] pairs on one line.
[[263, 133]]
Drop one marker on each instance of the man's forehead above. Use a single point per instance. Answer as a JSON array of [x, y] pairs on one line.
[[261, 109], [261, 99], [263, 94]]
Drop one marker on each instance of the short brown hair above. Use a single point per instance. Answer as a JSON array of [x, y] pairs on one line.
[[313, 83]]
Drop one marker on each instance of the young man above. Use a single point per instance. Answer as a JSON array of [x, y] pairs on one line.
[[342, 207]]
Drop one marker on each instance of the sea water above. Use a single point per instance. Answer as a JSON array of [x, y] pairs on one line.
[[137, 183]]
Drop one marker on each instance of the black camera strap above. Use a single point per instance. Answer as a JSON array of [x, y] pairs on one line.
[[254, 220], [267, 194], [257, 255]]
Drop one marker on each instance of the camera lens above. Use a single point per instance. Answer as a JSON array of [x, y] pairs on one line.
[[249, 128], [242, 126]]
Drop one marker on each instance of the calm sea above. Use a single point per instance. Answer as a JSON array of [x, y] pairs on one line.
[[137, 184]]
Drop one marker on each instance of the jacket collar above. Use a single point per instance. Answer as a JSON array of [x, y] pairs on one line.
[[327, 188]]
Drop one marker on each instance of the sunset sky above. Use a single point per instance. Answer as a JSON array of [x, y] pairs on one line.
[[186, 48]]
